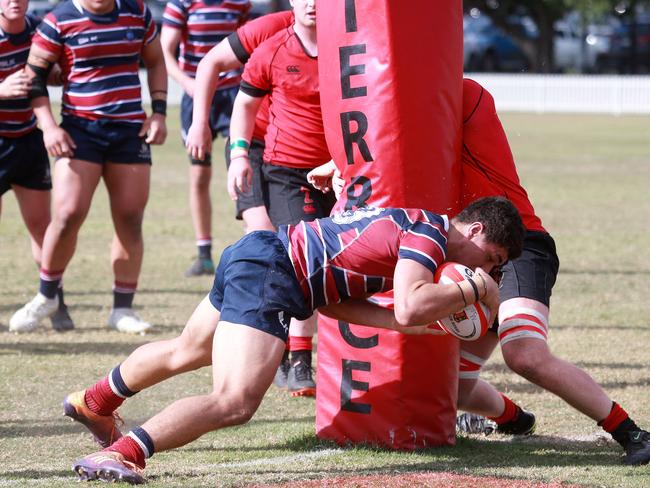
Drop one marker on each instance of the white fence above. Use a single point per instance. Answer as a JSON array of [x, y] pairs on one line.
[[534, 93], [568, 93]]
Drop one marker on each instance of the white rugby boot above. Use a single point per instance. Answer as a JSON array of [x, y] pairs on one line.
[[30, 316], [126, 320]]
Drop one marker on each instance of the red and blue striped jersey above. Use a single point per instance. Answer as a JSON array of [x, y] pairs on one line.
[[203, 25], [354, 254], [99, 57], [16, 115]]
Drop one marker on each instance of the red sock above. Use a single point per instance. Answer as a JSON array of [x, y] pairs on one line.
[[130, 449], [614, 419], [101, 399], [510, 412], [297, 343]]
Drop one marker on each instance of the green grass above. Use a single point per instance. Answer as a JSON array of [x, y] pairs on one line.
[[588, 178]]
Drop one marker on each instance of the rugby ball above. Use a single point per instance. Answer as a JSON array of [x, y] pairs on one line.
[[471, 322]]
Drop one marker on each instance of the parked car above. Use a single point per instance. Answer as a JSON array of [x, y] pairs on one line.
[[488, 48], [575, 51], [619, 58]]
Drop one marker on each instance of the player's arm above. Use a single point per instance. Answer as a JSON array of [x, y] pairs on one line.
[[363, 312], [420, 301], [155, 127], [219, 59], [170, 39], [321, 176], [242, 124], [39, 64]]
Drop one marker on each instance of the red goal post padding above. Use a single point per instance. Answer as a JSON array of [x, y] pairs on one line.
[[391, 95]]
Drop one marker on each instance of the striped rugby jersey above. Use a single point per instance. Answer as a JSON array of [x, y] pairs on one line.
[[354, 254], [204, 24], [99, 57], [16, 115]]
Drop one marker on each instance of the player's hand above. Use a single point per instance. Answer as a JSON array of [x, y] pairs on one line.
[[16, 85], [58, 142], [240, 176], [488, 291], [199, 141], [338, 183], [321, 177], [154, 129], [419, 330]]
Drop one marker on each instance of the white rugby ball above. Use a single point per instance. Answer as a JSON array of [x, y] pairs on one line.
[[471, 322]]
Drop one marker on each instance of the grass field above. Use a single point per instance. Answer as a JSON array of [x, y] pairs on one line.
[[588, 177]]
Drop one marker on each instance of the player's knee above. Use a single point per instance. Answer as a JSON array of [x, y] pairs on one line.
[[465, 387], [129, 222], [523, 361], [201, 181], [67, 219], [231, 408]]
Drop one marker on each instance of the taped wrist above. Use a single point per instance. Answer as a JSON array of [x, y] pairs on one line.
[[39, 82], [159, 107]]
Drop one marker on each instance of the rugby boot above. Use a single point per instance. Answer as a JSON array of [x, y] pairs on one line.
[[30, 316], [637, 449], [300, 380], [108, 466], [61, 320], [281, 375], [200, 266], [103, 427], [523, 424], [473, 423], [126, 320]]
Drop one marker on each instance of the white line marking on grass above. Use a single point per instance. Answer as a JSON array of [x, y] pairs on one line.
[[303, 456]]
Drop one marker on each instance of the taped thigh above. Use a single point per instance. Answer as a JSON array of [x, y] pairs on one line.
[[522, 323]]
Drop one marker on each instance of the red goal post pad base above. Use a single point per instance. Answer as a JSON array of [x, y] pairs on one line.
[[384, 388]]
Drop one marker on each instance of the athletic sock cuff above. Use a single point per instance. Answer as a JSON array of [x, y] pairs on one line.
[[118, 385]]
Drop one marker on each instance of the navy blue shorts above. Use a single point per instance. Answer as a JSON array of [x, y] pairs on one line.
[[255, 285], [256, 196], [220, 113], [532, 275], [24, 162], [107, 141]]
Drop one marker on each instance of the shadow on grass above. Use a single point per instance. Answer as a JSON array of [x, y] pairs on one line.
[[38, 428], [67, 348], [35, 474], [606, 272]]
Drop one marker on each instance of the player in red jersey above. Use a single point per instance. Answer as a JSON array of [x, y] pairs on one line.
[[24, 165], [241, 326], [192, 28], [104, 133], [285, 67], [525, 288], [230, 54]]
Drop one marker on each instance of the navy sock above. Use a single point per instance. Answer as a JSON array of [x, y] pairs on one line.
[[49, 288], [115, 378], [144, 440], [205, 251], [123, 300]]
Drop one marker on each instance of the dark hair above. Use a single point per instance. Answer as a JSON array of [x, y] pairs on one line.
[[501, 221]]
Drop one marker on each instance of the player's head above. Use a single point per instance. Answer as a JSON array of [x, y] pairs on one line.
[[304, 11], [490, 233]]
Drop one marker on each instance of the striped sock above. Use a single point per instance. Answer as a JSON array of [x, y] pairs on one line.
[[618, 423], [510, 411], [205, 248], [123, 294], [49, 282], [300, 348], [136, 446], [106, 396]]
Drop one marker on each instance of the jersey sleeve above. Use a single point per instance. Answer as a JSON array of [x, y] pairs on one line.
[[48, 36], [425, 242], [256, 79], [246, 39], [150, 29], [175, 14]]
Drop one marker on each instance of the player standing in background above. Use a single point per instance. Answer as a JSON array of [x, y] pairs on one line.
[[104, 133], [285, 67], [24, 165], [241, 326], [229, 54], [525, 289], [196, 26]]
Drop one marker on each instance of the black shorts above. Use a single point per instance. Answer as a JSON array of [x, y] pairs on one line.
[[256, 196], [255, 285], [220, 113], [291, 199], [24, 162], [104, 141]]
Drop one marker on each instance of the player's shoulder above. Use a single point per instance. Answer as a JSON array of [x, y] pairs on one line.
[[267, 51]]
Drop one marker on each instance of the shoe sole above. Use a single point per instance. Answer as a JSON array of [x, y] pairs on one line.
[[71, 412], [304, 392], [106, 474]]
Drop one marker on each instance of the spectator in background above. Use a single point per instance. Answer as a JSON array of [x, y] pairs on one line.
[[104, 133], [197, 26]]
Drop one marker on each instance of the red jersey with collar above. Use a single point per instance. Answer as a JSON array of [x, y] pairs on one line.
[[281, 68], [203, 25], [488, 167], [16, 114], [354, 254], [99, 55], [245, 40]]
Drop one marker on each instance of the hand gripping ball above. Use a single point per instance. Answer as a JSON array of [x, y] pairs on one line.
[[471, 322]]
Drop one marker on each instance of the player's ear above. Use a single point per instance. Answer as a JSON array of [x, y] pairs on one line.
[[474, 229]]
